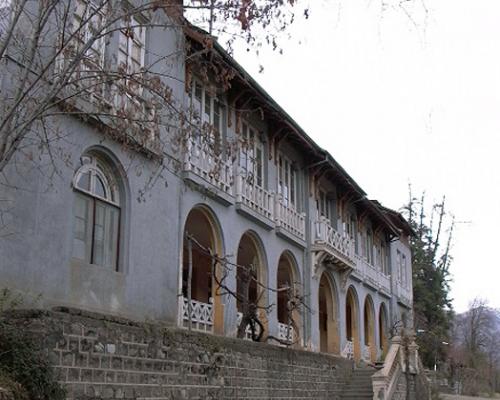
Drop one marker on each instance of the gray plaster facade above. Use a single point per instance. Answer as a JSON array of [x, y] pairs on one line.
[[37, 259]]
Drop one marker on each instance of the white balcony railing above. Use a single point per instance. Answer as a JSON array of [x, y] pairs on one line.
[[325, 233], [254, 197], [215, 169], [385, 281], [286, 333], [289, 219], [248, 330], [348, 351], [202, 315], [373, 274], [403, 293]]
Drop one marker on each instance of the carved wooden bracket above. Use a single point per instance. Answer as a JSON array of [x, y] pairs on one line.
[[324, 259]]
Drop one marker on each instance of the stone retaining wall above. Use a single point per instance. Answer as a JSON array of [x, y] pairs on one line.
[[101, 357]]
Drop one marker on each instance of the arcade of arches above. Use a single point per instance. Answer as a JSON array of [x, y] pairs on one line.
[[206, 308], [352, 349], [370, 351], [328, 329], [289, 320]]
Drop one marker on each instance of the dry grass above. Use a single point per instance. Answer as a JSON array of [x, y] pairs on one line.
[[456, 397]]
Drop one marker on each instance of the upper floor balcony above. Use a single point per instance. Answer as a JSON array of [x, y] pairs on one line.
[[288, 220], [372, 275], [328, 239], [255, 201], [204, 167], [403, 294]]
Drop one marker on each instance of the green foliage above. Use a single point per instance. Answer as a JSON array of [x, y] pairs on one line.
[[24, 366], [8, 384], [431, 261]]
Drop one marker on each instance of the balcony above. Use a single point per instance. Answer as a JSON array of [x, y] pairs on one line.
[[404, 295], [372, 275], [286, 333], [254, 201], [202, 315], [348, 351], [289, 222], [338, 247], [212, 172]]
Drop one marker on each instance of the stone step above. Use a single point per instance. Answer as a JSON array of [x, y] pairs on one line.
[[359, 386]]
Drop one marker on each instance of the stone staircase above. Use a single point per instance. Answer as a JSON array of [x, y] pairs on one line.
[[359, 387]]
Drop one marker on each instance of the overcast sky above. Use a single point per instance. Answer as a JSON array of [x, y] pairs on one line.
[[395, 104]]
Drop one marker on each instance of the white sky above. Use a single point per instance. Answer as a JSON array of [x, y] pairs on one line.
[[395, 104]]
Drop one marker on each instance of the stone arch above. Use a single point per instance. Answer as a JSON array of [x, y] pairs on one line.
[[203, 227], [352, 322], [251, 254], [328, 315], [382, 328], [369, 329], [116, 167], [288, 276]]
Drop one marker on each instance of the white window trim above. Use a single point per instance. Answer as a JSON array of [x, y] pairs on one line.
[[125, 59], [198, 116], [90, 166], [251, 159], [283, 171], [87, 63], [97, 170], [323, 205], [213, 138]]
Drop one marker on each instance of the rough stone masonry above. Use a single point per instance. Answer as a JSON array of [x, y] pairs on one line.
[[103, 357]]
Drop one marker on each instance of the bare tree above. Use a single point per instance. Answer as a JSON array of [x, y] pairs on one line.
[[54, 65], [251, 308], [477, 347]]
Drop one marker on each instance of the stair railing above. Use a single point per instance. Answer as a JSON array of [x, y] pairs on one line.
[[385, 381]]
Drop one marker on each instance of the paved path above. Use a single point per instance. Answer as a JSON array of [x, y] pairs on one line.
[[457, 397]]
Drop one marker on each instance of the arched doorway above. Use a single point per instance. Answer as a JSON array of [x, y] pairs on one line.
[[288, 312], [382, 328], [251, 281], [201, 238], [352, 347], [328, 329], [370, 346]]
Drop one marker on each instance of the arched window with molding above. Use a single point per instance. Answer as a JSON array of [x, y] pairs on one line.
[[96, 213]]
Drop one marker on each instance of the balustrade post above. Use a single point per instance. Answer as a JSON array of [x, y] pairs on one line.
[[239, 187], [190, 274], [303, 224], [277, 209]]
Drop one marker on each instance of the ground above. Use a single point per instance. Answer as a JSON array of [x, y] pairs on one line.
[[456, 397]]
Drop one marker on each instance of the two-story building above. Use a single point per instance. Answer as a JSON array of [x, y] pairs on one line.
[[149, 232]]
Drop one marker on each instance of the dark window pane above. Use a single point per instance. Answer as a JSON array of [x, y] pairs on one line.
[[100, 188]]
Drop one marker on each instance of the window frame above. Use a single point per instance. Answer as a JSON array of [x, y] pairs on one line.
[[324, 205], [88, 67], [250, 163], [287, 173], [369, 246], [97, 170], [198, 114], [131, 93]]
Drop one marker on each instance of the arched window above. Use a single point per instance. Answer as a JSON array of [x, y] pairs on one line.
[[97, 213]]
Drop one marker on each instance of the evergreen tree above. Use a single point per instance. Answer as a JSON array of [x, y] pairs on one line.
[[431, 245]]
